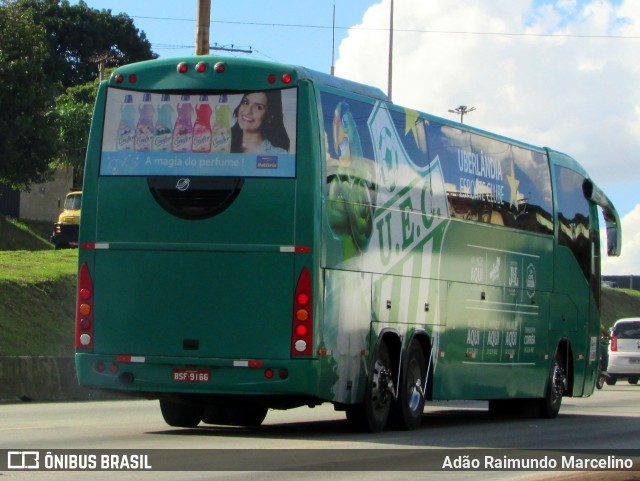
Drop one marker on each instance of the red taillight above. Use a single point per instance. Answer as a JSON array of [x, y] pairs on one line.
[[614, 343], [84, 310], [301, 340], [201, 67], [182, 67]]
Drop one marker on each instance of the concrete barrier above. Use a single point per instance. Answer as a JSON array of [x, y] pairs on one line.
[[44, 378]]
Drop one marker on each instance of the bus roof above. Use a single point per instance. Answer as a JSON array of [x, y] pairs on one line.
[[342, 84], [156, 76]]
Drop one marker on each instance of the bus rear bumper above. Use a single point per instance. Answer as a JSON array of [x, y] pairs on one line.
[[164, 377]]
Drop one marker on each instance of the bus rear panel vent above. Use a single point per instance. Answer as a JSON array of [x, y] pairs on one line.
[[195, 198]]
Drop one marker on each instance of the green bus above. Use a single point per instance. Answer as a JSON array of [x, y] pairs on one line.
[[261, 236]]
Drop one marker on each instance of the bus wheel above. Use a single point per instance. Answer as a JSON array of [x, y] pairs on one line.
[[407, 411], [372, 414], [241, 415], [181, 415], [556, 386], [246, 414]]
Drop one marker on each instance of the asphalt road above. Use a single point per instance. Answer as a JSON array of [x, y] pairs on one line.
[[608, 420]]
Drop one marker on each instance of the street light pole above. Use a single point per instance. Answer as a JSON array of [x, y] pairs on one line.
[[462, 110]]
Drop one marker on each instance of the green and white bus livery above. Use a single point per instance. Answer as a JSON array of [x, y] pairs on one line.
[[259, 236]]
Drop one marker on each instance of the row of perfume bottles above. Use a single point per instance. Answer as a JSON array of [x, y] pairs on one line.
[[160, 132]]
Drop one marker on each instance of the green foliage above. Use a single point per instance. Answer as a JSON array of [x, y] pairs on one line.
[[71, 116], [84, 38], [48, 47], [26, 137]]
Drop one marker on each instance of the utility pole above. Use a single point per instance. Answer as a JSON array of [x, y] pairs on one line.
[[333, 42], [390, 70], [462, 110], [202, 27]]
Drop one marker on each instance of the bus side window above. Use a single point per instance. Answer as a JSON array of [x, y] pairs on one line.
[[573, 217]]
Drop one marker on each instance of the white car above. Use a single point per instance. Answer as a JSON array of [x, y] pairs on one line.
[[624, 351]]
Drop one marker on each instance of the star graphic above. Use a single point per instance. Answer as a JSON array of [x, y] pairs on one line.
[[410, 123]]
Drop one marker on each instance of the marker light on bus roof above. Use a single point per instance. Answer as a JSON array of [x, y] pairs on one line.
[[286, 78], [118, 78], [201, 67], [133, 78], [219, 67], [182, 67]]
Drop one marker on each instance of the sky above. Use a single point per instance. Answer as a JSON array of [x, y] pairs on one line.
[[563, 74]]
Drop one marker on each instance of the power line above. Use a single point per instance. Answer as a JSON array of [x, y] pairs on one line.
[[215, 46], [405, 30]]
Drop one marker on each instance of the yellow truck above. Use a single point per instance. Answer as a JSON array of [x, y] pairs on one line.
[[65, 231]]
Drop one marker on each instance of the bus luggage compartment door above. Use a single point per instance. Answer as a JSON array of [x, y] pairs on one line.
[[193, 303]]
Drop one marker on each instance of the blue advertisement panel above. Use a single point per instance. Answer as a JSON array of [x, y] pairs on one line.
[[375, 151], [250, 134]]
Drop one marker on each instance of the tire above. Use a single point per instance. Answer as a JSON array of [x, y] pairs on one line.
[[611, 380], [373, 413], [600, 381], [181, 415], [246, 414], [216, 414], [633, 380], [556, 386], [241, 415], [406, 412]]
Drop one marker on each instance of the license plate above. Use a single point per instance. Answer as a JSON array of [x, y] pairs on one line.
[[634, 360], [185, 374]]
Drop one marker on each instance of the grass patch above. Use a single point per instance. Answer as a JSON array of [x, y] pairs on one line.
[[37, 318], [16, 235], [37, 266], [619, 303], [37, 302]]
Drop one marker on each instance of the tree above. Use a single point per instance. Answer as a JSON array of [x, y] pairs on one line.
[[46, 48], [26, 137], [71, 115], [84, 39]]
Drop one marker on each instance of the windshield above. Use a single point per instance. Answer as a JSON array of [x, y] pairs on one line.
[[247, 134], [72, 202]]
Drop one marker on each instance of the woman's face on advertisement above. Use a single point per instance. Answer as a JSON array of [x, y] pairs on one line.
[[252, 111]]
